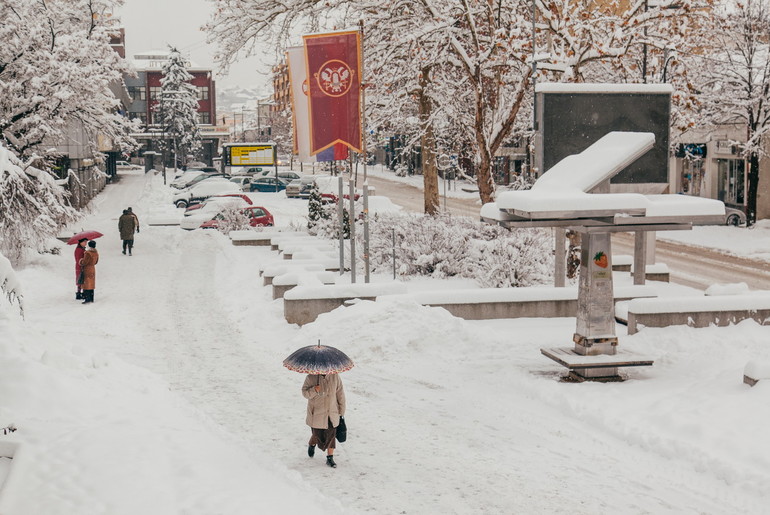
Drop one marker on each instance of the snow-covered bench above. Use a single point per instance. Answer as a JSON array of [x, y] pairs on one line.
[[303, 304], [273, 270], [285, 282], [720, 310], [755, 371], [255, 238], [527, 302], [288, 249], [288, 238], [654, 272]]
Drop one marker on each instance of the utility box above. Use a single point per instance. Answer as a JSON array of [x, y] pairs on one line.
[[570, 117]]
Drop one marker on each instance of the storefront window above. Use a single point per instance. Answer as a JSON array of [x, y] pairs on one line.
[[693, 177], [732, 179]]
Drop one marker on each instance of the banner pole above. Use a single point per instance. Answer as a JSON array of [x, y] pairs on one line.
[[363, 98]]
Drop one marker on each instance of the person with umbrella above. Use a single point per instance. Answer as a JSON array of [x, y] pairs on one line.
[[80, 250], [324, 393], [88, 262]]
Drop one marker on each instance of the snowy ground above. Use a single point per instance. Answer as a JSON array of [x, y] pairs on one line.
[[168, 396]]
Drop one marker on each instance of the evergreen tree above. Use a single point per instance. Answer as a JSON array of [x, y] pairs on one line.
[[178, 107], [315, 209]]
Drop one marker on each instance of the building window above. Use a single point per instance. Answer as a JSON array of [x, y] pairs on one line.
[[155, 92], [203, 92], [137, 92], [732, 178], [204, 118]]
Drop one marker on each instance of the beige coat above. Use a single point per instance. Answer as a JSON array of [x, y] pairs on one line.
[[327, 404]]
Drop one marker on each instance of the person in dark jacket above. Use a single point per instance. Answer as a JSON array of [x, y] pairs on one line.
[[127, 228], [80, 249], [88, 262], [136, 218]]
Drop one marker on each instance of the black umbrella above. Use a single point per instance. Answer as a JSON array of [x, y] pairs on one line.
[[318, 359]]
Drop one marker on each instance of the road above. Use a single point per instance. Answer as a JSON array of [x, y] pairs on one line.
[[696, 267]]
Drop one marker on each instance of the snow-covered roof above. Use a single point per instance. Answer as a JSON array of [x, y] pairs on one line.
[[560, 87]]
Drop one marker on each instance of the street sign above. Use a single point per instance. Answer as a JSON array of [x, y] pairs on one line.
[[443, 162], [249, 155]]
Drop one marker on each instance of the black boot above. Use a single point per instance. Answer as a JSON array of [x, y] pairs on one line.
[[311, 450], [78, 295], [330, 462]]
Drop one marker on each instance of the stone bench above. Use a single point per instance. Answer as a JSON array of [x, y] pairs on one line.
[[654, 272], [756, 371], [272, 271], [285, 282], [255, 238], [303, 304], [527, 302], [704, 311], [288, 250], [290, 238]]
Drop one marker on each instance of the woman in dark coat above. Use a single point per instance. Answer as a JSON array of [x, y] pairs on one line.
[[325, 405], [80, 249], [88, 262]]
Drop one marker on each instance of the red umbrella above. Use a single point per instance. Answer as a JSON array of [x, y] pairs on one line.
[[89, 235]]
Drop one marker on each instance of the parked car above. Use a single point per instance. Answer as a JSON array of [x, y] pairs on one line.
[[200, 192], [285, 174], [215, 203], [184, 180], [300, 188], [205, 177], [268, 184], [125, 165], [258, 217], [734, 216], [206, 169], [243, 181]]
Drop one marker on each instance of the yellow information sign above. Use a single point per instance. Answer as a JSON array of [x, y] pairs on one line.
[[251, 155]]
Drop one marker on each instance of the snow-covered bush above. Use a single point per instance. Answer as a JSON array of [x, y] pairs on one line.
[[327, 224], [9, 285], [444, 246], [232, 218], [32, 207], [315, 209]]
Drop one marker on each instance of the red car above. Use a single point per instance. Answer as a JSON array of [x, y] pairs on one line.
[[258, 217], [195, 207]]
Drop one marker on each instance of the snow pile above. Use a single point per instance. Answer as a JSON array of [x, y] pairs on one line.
[[727, 289]]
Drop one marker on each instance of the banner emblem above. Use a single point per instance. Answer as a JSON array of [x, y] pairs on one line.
[[334, 77]]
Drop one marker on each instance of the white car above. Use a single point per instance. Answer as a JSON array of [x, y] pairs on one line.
[[125, 165], [183, 180], [244, 181], [213, 206], [204, 190]]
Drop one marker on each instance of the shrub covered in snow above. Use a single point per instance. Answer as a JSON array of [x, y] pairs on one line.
[[9, 285], [32, 207], [232, 218], [443, 246]]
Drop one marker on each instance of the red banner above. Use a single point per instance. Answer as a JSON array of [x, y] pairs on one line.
[[333, 63]]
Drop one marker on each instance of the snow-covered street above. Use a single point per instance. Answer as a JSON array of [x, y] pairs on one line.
[[167, 395]]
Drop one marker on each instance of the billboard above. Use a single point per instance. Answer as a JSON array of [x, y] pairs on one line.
[[573, 116], [249, 154]]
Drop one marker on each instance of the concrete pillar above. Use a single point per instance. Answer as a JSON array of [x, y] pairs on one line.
[[560, 258]]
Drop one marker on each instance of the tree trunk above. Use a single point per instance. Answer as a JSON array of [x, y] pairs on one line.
[[484, 171], [751, 197], [428, 142]]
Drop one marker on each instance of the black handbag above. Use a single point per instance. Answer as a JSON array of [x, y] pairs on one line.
[[342, 430], [82, 277]]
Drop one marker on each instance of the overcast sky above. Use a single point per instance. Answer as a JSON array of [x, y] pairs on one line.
[[153, 24]]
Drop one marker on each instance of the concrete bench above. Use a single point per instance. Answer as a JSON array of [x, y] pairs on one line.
[[528, 302], [285, 282], [654, 272], [321, 247], [303, 304], [756, 371], [272, 271], [255, 238], [287, 239], [704, 311]]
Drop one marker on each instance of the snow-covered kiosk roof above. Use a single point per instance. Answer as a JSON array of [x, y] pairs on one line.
[[561, 196]]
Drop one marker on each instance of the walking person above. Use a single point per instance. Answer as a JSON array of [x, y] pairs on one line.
[[325, 405], [127, 226], [88, 262], [136, 218], [80, 250]]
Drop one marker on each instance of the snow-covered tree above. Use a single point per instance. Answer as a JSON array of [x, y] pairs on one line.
[[177, 106], [315, 208], [56, 65], [32, 207], [735, 81], [10, 287]]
